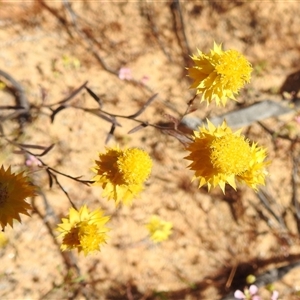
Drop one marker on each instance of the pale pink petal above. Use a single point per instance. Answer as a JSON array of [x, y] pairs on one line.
[[253, 289], [125, 74], [239, 294], [32, 161], [275, 295]]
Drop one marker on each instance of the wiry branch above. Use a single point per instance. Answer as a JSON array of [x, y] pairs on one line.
[[49, 170], [295, 183]]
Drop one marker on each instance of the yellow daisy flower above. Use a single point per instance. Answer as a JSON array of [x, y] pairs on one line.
[[121, 173], [83, 230], [220, 156], [219, 74], [14, 188], [159, 229]]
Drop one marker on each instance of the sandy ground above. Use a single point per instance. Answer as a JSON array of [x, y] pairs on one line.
[[51, 48]]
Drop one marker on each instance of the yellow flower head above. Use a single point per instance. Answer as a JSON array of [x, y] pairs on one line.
[[220, 74], [14, 188], [159, 229], [220, 156], [121, 173], [83, 230]]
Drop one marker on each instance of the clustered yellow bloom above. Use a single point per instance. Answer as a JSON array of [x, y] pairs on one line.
[[219, 74], [83, 230], [159, 229], [121, 173], [220, 156], [14, 189]]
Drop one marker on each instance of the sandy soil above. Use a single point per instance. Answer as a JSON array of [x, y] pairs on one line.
[[51, 48]]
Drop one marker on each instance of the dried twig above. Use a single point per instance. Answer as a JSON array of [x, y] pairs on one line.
[[276, 134], [179, 29], [91, 41], [22, 105], [265, 198], [68, 98], [56, 14], [295, 183], [149, 15]]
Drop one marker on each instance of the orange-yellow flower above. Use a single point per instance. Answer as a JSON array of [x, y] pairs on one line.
[[159, 229], [121, 173], [14, 189], [83, 230], [219, 75], [220, 156]]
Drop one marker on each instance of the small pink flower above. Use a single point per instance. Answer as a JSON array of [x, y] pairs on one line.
[[32, 161], [253, 289], [248, 294], [125, 74], [239, 294], [275, 295]]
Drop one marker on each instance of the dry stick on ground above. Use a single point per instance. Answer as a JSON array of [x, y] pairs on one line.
[[265, 198], [56, 14], [283, 235], [276, 134], [179, 30], [91, 42], [22, 105], [294, 179], [155, 32], [295, 183]]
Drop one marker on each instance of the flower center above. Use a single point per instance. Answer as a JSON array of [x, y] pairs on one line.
[[134, 165], [71, 238], [234, 69], [3, 194], [230, 154], [90, 237]]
